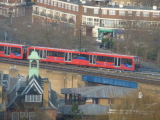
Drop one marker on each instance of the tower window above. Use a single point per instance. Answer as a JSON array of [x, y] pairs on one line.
[[34, 63]]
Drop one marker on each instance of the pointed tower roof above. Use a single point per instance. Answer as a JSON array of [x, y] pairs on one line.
[[34, 56], [34, 64]]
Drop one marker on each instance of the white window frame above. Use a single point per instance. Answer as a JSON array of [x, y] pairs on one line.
[[115, 2], [59, 4], [104, 12], [55, 3], [15, 115], [145, 14], [85, 10], [134, 4], [62, 5], [155, 14], [96, 23], [69, 7], [33, 98], [138, 13], [23, 114], [45, 1], [77, 9], [49, 2], [112, 12], [73, 8], [122, 13], [41, 1], [96, 11], [129, 13], [31, 115], [128, 4], [66, 6]]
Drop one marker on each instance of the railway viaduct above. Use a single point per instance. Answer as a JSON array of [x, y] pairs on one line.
[[59, 79]]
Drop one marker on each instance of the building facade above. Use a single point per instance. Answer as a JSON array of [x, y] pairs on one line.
[[12, 8], [95, 17]]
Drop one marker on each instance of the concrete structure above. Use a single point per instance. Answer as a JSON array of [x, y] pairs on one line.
[[95, 18]]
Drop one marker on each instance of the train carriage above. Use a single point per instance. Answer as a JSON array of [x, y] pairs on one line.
[[13, 51], [94, 59]]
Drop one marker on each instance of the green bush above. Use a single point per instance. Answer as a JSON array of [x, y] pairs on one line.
[[105, 40]]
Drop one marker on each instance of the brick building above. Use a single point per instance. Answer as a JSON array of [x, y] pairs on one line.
[[31, 97], [95, 17], [12, 8]]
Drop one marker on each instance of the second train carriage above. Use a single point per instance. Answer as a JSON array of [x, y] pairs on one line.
[[94, 59], [13, 51]]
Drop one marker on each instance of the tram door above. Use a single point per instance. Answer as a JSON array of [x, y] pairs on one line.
[[92, 59], [68, 57], [42, 53], [7, 50], [117, 62]]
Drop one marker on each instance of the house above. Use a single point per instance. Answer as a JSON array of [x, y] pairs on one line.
[[31, 97], [94, 100]]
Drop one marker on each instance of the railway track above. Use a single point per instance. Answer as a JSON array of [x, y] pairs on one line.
[[112, 74]]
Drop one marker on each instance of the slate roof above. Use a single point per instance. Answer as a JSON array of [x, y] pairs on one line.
[[107, 91]]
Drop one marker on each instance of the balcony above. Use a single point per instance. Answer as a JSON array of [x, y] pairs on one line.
[[56, 17], [43, 14], [36, 12], [71, 20], [50, 16], [64, 19]]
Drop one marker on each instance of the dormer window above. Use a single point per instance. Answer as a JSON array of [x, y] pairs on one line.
[[33, 98]]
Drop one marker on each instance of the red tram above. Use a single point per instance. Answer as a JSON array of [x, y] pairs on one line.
[[13, 51], [94, 59]]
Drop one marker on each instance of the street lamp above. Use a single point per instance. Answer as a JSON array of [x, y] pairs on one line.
[[10, 16]]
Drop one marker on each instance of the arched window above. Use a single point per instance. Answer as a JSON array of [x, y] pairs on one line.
[[34, 63]]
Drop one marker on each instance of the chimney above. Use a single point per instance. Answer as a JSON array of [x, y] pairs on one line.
[[121, 6], [0, 94], [45, 93], [154, 7]]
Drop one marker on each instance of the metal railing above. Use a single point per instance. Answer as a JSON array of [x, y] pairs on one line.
[[109, 73]]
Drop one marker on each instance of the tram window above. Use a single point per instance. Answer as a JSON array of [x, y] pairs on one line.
[[126, 61], [60, 54], [30, 51], [110, 59], [49, 53], [85, 56], [100, 58], [74, 55], [16, 50], [1, 48], [105, 59]]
